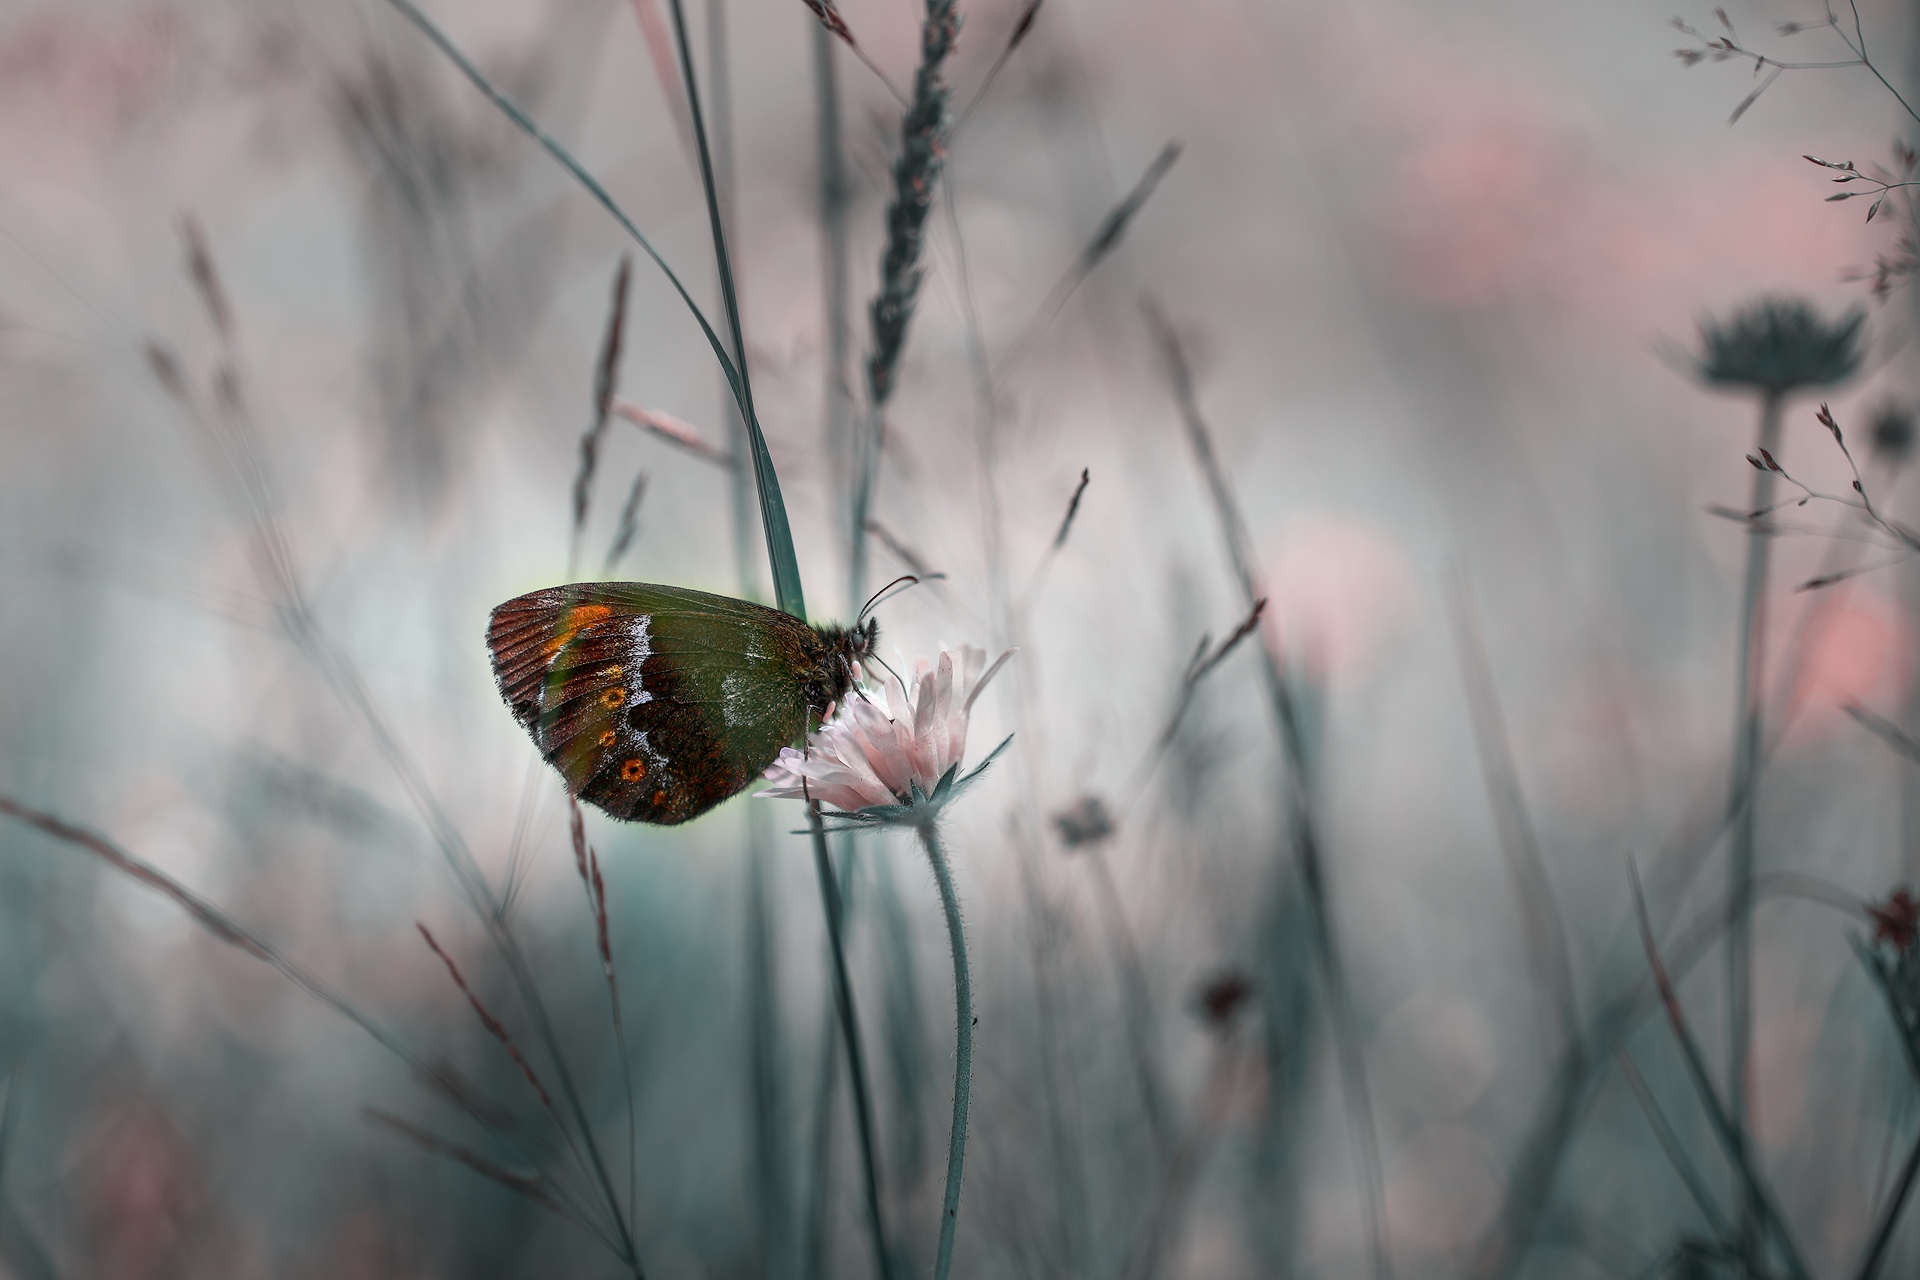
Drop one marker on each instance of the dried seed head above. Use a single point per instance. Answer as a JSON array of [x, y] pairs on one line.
[[1087, 822], [1222, 998]]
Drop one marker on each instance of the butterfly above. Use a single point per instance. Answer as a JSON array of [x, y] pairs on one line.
[[656, 703]]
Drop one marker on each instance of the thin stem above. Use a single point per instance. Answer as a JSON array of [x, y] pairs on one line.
[[850, 1033], [1160, 1234], [1725, 1125], [1889, 1217], [1142, 1034], [1304, 829], [513, 111], [962, 1051], [1743, 803]]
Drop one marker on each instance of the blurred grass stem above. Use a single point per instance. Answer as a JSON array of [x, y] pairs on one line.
[[1304, 830], [1545, 930], [225, 929], [1743, 803], [1724, 1124], [1008, 623], [773, 513]]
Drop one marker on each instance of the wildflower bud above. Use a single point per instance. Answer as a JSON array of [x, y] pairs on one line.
[[1088, 822], [1222, 998], [1892, 433]]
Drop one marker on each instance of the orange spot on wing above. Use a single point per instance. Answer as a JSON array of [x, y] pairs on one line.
[[572, 622], [633, 770], [608, 738], [613, 697], [659, 799]]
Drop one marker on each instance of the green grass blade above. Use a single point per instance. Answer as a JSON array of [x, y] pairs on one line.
[[527, 125], [773, 509]]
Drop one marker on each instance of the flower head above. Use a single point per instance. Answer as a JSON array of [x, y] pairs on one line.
[[898, 765], [1778, 345]]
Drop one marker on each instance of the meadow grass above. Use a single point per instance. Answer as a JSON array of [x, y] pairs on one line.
[[670, 1082]]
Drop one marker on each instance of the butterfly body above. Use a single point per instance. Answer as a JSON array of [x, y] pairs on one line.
[[656, 703]]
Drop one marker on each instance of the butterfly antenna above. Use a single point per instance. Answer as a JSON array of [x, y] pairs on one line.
[[902, 582]]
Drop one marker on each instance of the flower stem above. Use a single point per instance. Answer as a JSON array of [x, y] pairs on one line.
[[962, 1052], [1744, 801], [850, 1032]]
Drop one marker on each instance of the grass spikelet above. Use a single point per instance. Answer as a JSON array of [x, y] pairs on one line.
[[681, 435], [606, 375], [494, 1026], [629, 526], [1304, 834], [532, 1186], [915, 173]]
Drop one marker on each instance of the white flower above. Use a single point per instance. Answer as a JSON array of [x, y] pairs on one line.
[[894, 765]]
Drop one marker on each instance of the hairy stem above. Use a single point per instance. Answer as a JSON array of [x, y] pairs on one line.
[[962, 1050]]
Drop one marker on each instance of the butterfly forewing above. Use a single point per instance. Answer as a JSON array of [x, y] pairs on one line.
[[655, 703]]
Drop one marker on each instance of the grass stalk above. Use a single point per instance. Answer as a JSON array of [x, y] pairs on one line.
[[440, 1076], [1303, 831], [1888, 1219], [1142, 1030], [229, 432], [1675, 1149], [916, 175], [962, 1049], [1743, 803], [1725, 1126], [1159, 1234], [1007, 623], [773, 511]]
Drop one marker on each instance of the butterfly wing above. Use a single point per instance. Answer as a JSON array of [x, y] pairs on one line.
[[655, 703]]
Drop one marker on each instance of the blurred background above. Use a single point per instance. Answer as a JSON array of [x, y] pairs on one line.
[[298, 336]]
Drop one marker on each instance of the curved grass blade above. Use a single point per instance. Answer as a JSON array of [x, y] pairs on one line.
[[773, 510]]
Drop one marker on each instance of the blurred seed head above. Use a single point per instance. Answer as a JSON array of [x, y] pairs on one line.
[[1087, 823], [1891, 432], [1779, 345], [1222, 998]]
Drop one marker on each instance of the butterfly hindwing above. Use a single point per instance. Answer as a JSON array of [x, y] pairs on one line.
[[655, 703]]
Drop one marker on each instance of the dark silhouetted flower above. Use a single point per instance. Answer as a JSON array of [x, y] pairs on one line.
[[1087, 822], [1779, 345]]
